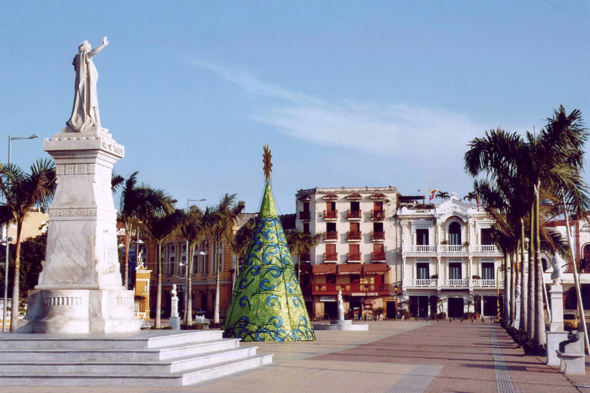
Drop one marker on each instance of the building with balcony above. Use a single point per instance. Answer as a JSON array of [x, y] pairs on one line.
[[358, 252], [449, 262]]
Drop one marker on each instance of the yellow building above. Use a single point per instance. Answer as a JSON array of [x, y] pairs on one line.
[[35, 224]]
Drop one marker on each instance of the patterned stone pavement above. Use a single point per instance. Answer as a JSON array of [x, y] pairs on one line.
[[407, 356]]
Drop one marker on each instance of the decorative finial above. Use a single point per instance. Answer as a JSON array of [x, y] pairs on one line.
[[266, 160]]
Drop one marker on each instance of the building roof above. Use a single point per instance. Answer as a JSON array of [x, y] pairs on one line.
[[345, 190]]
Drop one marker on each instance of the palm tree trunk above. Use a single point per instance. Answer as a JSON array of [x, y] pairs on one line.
[[513, 288], [507, 287], [159, 292], [188, 309], [216, 312], [540, 313], [127, 241], [16, 283], [524, 283], [531, 283]]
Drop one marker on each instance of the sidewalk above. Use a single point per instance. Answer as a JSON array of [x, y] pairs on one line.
[[393, 356]]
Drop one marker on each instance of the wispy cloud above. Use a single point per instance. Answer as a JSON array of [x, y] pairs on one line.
[[388, 129]]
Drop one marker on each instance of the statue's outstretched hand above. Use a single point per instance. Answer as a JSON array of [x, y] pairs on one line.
[[105, 41]]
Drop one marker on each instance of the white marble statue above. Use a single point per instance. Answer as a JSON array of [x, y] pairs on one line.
[[140, 264], [556, 262], [85, 114], [173, 292], [340, 306]]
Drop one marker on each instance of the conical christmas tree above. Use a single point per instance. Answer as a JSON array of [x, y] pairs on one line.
[[267, 303]]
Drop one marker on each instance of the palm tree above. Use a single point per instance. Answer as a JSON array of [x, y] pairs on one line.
[[518, 167], [241, 242], [443, 195], [300, 243], [219, 223], [137, 201], [191, 229], [22, 191], [159, 226], [472, 196]]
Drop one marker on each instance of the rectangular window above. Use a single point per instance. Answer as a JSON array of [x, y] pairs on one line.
[[355, 206], [354, 252], [330, 249], [455, 271], [331, 227], [306, 206], [306, 227], [423, 271], [378, 206], [486, 237], [330, 206], [422, 237], [378, 227], [488, 271]]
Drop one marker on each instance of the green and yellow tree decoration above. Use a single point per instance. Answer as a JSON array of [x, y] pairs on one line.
[[267, 303]]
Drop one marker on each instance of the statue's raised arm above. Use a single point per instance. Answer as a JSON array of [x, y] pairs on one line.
[[96, 50], [85, 115]]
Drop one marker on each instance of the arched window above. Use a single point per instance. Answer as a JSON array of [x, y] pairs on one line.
[[455, 234]]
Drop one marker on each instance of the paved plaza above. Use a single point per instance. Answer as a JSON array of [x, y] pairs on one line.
[[393, 356]]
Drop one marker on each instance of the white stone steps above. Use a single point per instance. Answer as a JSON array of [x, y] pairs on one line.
[[173, 352], [120, 367], [187, 377], [155, 339], [152, 358]]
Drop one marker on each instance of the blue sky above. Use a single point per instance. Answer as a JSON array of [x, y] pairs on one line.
[[373, 93]]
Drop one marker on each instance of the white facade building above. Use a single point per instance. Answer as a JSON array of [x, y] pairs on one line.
[[450, 263]]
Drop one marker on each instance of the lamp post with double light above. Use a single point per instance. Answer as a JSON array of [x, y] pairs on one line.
[[7, 240]]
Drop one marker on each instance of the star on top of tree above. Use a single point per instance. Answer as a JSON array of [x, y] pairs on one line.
[[266, 156]]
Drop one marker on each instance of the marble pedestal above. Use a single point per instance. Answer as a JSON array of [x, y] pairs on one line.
[[80, 288], [556, 308], [555, 334], [174, 320], [517, 316]]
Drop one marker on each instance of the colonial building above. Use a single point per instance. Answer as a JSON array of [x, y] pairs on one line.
[[450, 263], [358, 251]]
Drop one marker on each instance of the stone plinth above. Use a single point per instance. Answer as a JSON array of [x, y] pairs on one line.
[[174, 320], [80, 288], [556, 308], [342, 325]]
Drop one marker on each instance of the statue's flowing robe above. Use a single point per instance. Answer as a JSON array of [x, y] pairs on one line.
[[85, 111]]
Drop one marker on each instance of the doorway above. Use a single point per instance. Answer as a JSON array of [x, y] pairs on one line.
[[390, 310], [456, 307]]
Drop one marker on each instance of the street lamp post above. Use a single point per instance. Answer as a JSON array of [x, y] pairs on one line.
[[187, 272], [8, 240]]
